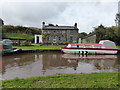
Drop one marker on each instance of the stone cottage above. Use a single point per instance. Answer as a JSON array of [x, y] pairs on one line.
[[54, 33], [91, 38]]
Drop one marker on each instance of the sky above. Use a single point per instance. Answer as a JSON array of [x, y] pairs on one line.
[[88, 14]]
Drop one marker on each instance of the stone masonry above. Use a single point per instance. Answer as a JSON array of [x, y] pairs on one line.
[[55, 33]]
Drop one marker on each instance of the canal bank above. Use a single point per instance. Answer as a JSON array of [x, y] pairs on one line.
[[34, 49], [37, 50], [44, 48], [92, 80], [20, 51]]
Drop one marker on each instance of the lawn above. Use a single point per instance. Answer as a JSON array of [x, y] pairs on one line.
[[118, 47], [43, 47], [92, 80]]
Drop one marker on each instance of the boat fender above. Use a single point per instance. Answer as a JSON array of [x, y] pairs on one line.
[[82, 52], [86, 52]]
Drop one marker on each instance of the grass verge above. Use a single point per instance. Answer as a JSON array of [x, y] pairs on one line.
[[92, 80], [118, 47], [43, 47], [17, 36]]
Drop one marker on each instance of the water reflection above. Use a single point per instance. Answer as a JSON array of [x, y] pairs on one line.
[[48, 63]]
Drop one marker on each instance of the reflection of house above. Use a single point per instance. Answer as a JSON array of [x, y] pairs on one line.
[[91, 38], [55, 60], [55, 33], [101, 62]]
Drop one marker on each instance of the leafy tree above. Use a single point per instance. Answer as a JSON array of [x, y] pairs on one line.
[[107, 33], [83, 34], [20, 29]]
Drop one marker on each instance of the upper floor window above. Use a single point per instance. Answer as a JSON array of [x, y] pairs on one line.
[[48, 32], [71, 32], [71, 38], [63, 32], [48, 38]]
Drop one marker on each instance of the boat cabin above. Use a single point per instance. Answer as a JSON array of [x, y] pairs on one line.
[[103, 47], [102, 44], [6, 44], [84, 46]]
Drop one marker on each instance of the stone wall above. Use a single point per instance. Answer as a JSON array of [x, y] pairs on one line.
[[61, 35], [89, 39], [55, 33]]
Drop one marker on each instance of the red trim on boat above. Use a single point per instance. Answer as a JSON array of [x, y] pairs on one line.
[[85, 44], [90, 49], [1, 47]]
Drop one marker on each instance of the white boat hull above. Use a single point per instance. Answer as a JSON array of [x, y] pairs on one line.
[[89, 51]]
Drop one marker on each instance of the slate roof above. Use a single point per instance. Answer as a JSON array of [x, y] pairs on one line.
[[89, 35], [59, 28]]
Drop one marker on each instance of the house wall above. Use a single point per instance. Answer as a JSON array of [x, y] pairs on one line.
[[61, 35], [89, 39]]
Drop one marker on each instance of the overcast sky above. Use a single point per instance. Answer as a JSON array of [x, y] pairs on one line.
[[86, 14]]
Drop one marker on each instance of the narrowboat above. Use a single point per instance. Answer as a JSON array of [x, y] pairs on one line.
[[6, 47], [103, 47]]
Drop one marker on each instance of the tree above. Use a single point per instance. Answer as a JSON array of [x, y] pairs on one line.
[[83, 34], [107, 33]]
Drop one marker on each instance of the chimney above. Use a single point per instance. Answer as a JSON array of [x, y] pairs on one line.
[[43, 24], [75, 25]]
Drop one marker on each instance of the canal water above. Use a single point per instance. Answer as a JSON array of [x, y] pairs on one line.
[[48, 63]]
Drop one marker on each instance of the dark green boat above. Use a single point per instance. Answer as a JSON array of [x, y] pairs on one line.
[[6, 47]]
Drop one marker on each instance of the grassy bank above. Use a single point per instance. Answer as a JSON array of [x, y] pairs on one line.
[[118, 47], [17, 36], [43, 47], [93, 80]]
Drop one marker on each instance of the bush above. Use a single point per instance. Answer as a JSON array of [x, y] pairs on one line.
[[26, 43], [62, 42]]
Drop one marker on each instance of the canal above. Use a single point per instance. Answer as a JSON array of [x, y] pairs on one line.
[[26, 65]]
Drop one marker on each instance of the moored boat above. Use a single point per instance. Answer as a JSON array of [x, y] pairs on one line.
[[6, 47], [103, 47]]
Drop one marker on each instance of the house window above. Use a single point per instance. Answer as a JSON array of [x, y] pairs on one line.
[[48, 32], [59, 38], [47, 38], [63, 32], [71, 38], [71, 32]]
